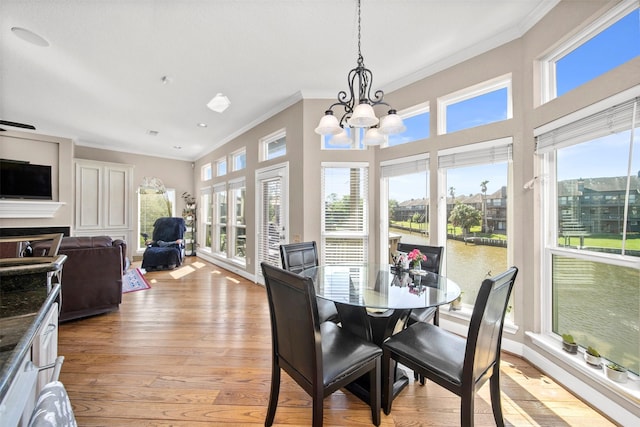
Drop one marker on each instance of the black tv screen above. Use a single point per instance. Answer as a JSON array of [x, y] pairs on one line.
[[22, 180]]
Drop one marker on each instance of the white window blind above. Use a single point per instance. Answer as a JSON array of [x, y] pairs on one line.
[[615, 119], [404, 168], [234, 185], [345, 213], [482, 154]]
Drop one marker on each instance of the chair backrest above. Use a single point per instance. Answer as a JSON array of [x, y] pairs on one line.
[[295, 327], [169, 229], [296, 257], [484, 338], [433, 253]]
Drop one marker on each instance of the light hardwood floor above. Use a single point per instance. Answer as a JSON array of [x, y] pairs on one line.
[[194, 350]]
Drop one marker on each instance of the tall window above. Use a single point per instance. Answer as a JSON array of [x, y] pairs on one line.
[[205, 215], [274, 145], [485, 103], [476, 184], [345, 212], [220, 220], [237, 223], [151, 206], [607, 43], [404, 193], [591, 207]]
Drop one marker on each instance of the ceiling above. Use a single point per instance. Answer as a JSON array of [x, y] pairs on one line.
[[100, 80]]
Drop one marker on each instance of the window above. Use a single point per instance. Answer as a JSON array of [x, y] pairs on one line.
[[485, 103], [603, 46], [205, 215], [221, 167], [206, 172], [239, 160], [151, 206], [220, 220], [405, 195], [237, 225], [476, 184], [345, 211], [274, 145], [592, 221], [416, 120]]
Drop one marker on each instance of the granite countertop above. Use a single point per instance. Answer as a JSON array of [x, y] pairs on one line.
[[24, 302]]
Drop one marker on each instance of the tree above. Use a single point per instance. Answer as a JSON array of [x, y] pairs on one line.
[[483, 188], [465, 217], [393, 204]]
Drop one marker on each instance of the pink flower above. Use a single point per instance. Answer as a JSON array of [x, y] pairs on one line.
[[416, 256]]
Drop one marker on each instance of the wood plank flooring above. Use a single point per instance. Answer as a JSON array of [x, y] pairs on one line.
[[194, 350]]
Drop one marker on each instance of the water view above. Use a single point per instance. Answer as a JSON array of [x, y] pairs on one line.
[[598, 304]]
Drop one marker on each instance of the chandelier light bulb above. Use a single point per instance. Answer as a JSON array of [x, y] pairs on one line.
[[329, 124], [341, 138], [363, 116], [373, 137], [392, 124]]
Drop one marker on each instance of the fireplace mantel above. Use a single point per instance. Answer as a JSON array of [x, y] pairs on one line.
[[29, 208]]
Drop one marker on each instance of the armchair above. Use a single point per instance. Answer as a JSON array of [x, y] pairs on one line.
[[166, 249]]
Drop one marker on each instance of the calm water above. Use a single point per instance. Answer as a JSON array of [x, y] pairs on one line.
[[598, 304]]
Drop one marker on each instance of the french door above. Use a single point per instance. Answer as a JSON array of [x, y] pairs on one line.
[[272, 206]]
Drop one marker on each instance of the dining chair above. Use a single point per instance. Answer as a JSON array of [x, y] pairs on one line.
[[320, 357], [460, 365], [296, 257], [432, 264]]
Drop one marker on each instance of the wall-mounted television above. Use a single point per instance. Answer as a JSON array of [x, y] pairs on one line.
[[24, 180]]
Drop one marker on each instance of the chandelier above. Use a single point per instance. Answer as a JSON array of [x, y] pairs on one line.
[[358, 105]]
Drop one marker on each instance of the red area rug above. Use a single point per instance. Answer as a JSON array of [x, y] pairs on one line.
[[133, 280]]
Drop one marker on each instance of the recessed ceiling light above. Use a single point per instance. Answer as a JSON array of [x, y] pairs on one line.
[[152, 132], [219, 103], [30, 37], [202, 125]]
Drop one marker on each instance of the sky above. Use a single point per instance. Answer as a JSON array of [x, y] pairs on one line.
[[608, 156]]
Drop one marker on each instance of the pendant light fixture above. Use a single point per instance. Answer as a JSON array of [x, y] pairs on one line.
[[358, 105]]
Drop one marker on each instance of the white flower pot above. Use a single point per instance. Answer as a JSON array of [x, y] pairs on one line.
[[592, 360], [617, 376]]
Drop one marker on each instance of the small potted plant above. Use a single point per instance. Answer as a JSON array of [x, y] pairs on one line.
[[616, 372], [569, 344], [592, 357]]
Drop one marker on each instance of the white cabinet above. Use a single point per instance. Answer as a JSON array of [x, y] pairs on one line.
[[103, 199]]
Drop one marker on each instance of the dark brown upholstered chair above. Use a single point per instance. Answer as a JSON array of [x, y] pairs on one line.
[[432, 264], [460, 365], [296, 257], [320, 357]]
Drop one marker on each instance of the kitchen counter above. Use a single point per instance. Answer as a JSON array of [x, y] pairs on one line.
[[26, 296]]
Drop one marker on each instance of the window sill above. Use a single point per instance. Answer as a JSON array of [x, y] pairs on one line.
[[464, 314], [629, 390]]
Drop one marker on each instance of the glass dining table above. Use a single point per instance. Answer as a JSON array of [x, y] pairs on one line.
[[375, 300]]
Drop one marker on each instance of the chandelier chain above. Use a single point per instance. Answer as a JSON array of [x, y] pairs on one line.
[[359, 30]]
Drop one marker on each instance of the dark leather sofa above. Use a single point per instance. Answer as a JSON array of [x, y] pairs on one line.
[[91, 276]]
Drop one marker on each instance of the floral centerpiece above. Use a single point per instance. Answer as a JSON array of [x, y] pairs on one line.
[[415, 258]]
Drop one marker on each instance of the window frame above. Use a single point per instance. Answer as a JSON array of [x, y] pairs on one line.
[[416, 110], [348, 235], [216, 220], [501, 82], [547, 63], [206, 172], [171, 196], [234, 159], [264, 142], [237, 185]]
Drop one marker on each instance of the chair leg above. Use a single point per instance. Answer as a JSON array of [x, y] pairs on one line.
[[273, 396], [467, 407], [317, 410], [496, 401], [374, 393], [387, 383]]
